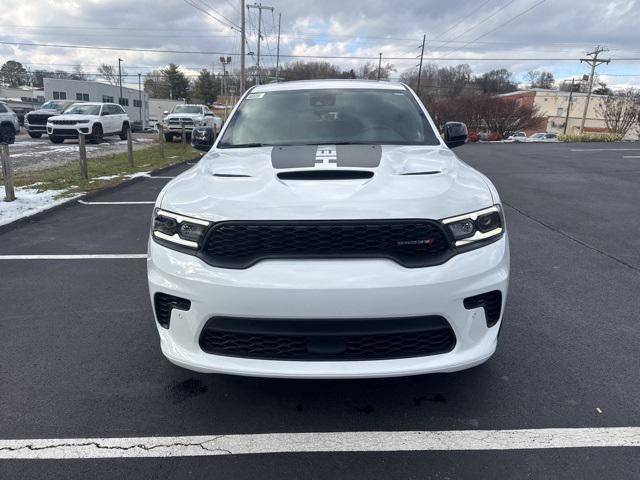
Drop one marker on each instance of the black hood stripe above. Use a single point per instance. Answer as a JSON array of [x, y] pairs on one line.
[[326, 156]]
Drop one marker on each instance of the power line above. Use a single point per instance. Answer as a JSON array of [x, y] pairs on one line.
[[223, 22], [499, 26], [326, 57], [475, 8]]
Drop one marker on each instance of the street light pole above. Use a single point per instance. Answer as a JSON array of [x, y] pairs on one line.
[[120, 102], [140, 99], [379, 65]]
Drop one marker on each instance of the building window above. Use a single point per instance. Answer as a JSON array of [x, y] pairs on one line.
[[560, 112], [82, 96], [59, 95], [107, 99], [137, 103], [124, 102]]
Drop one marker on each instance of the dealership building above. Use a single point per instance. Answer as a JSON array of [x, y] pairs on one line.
[[134, 101]]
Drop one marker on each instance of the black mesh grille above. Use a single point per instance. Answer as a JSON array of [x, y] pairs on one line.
[[363, 339], [165, 303], [38, 119], [64, 122], [412, 243], [490, 301]]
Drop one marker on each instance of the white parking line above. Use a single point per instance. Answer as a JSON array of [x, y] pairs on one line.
[[631, 156], [605, 149], [67, 448], [115, 203], [158, 176], [99, 256]]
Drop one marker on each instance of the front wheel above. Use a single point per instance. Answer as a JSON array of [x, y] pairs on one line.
[[168, 137], [7, 134], [55, 139], [123, 132], [97, 134], [35, 134]]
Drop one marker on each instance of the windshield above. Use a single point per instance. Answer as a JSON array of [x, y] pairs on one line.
[[187, 109], [52, 105], [84, 110], [331, 116]]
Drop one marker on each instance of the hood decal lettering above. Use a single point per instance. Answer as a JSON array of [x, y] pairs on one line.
[[326, 156]]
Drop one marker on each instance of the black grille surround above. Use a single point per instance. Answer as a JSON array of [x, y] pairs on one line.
[[38, 119], [490, 301], [164, 303], [327, 339], [411, 243]]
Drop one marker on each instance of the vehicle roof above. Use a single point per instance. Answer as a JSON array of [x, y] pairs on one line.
[[322, 84], [190, 105]]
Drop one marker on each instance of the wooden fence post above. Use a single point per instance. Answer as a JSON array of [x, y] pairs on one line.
[[184, 138], [7, 173], [84, 170], [130, 147], [161, 139]]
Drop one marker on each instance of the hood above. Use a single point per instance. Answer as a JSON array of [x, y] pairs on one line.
[[184, 115], [44, 111], [73, 117], [327, 182]]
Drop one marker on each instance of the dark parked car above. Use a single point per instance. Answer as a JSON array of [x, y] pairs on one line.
[[36, 122]]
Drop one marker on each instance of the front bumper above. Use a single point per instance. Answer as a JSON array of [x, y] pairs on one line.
[[35, 128], [68, 131], [177, 129], [335, 289]]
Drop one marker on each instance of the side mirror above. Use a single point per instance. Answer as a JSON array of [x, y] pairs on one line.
[[208, 114], [455, 134], [104, 114], [202, 138], [166, 112]]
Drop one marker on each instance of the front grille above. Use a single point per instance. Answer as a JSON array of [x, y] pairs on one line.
[[412, 243], [164, 303], [64, 122], [180, 121], [64, 132], [330, 339], [37, 119], [490, 301]]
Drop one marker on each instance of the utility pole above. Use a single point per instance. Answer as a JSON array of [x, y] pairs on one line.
[[593, 62], [140, 99], [566, 119], [379, 65], [120, 102], [278, 50], [424, 39], [242, 43], [260, 7]]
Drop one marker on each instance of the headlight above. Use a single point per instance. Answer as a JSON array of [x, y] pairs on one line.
[[178, 229], [82, 121], [482, 226]]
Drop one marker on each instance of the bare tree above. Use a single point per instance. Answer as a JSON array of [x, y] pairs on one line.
[[620, 111], [504, 114], [110, 74]]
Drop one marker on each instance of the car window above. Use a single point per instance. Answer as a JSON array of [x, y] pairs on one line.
[[3, 109], [187, 109], [117, 109], [82, 109], [329, 116]]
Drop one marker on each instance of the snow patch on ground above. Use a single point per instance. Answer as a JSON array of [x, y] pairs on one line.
[[124, 177], [29, 201]]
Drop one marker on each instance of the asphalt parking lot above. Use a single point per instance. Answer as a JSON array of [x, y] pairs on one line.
[[79, 354]]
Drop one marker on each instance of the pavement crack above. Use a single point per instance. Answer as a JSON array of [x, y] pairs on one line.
[[572, 238], [147, 447]]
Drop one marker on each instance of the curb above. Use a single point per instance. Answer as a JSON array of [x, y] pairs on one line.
[[130, 181]]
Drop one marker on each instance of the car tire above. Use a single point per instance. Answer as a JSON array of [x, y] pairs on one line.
[[7, 134], [55, 139], [123, 132], [97, 134], [35, 134], [168, 137]]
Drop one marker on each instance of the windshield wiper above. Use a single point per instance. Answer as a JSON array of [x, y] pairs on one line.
[[243, 145]]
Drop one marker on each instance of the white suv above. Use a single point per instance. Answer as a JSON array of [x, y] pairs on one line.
[[96, 120], [191, 116], [9, 124], [320, 239]]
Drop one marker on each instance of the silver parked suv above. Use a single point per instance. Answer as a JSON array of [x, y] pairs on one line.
[[9, 124]]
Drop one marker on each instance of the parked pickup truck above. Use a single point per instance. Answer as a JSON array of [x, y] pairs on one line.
[[191, 116], [35, 122]]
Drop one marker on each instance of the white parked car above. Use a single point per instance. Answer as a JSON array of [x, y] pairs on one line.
[[517, 137], [543, 137], [96, 120], [191, 116], [319, 239], [9, 124]]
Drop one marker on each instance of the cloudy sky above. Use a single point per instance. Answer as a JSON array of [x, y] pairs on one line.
[[520, 35]]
